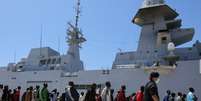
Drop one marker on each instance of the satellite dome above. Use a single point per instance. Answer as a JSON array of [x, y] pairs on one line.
[[171, 46], [148, 3]]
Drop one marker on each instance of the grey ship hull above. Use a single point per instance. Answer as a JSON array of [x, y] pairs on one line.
[[186, 75], [159, 28]]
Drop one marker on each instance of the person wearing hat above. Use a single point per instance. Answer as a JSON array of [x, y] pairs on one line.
[[151, 89]]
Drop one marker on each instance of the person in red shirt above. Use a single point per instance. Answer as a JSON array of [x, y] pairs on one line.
[[98, 95], [132, 97], [121, 94], [140, 94], [17, 94]]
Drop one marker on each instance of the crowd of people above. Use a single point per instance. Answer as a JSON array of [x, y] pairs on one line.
[[149, 92]]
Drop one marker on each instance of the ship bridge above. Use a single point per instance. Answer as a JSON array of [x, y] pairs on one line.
[[159, 27]]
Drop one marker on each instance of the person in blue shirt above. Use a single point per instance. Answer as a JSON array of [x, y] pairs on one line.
[[167, 97], [191, 96]]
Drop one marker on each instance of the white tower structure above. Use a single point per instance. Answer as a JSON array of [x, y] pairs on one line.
[[75, 39]]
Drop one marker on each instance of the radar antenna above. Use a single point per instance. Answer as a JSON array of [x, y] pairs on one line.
[[41, 39], [75, 36], [77, 13], [148, 3]]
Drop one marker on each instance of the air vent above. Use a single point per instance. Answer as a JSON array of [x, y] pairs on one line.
[[190, 49]]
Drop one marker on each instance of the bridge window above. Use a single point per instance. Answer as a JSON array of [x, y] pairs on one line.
[[48, 61], [194, 45], [13, 78], [52, 68], [35, 73], [121, 53], [148, 3], [190, 49], [42, 62], [106, 72], [58, 61], [53, 61], [164, 40]]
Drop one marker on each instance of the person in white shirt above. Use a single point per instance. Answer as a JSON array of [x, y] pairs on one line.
[[82, 96], [1, 92], [179, 96], [106, 92]]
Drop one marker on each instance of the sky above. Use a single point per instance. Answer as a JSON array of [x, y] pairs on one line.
[[106, 24]]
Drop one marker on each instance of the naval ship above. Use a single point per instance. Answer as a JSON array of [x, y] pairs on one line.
[[158, 50]]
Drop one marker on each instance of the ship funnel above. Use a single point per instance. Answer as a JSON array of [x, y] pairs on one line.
[[149, 3]]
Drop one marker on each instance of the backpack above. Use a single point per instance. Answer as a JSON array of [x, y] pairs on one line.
[[195, 98], [23, 96], [67, 97]]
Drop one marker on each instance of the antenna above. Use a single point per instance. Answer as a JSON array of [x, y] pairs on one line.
[[41, 38], [120, 50], [14, 60], [77, 13], [59, 44]]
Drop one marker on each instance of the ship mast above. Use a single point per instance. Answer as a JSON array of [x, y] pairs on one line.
[[77, 14], [75, 36], [75, 39]]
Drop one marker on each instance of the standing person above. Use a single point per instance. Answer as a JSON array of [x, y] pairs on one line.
[[65, 96], [10, 97], [24, 94], [58, 97], [74, 95], [133, 97], [1, 92], [5, 96], [191, 96], [14, 97], [112, 94], [140, 94], [184, 97], [106, 92], [18, 93], [173, 95], [29, 94], [54, 95], [81, 96], [32, 94], [98, 95], [151, 89], [167, 97], [44, 93], [91, 93], [121, 95], [179, 96], [37, 93]]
